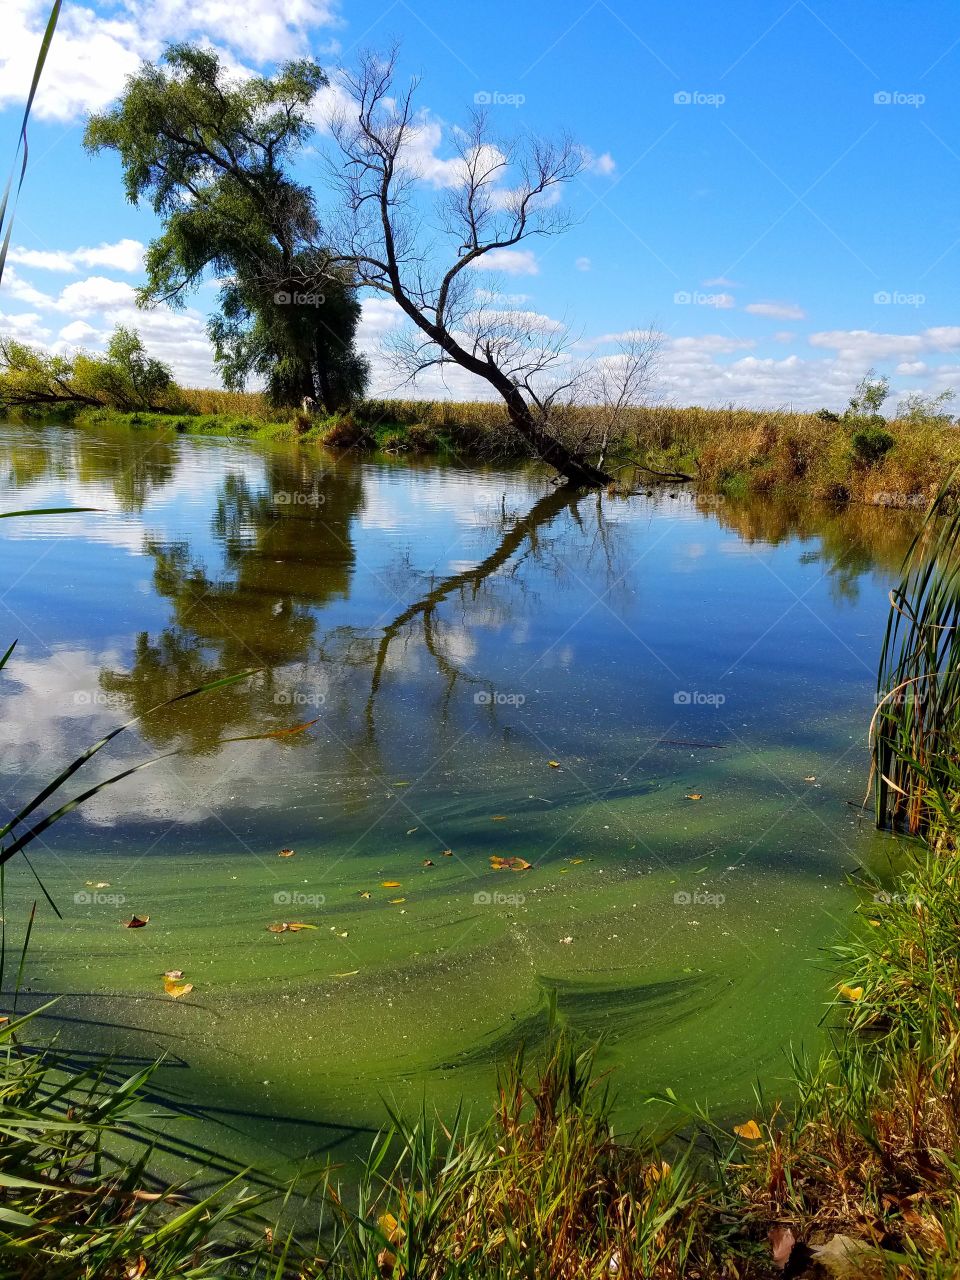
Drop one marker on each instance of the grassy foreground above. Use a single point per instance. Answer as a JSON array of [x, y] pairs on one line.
[[898, 463]]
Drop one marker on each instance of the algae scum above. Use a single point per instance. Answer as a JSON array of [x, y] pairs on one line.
[[659, 703]]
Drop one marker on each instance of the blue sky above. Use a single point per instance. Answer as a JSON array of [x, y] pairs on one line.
[[775, 186]]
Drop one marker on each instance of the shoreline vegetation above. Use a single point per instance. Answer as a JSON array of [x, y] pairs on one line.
[[858, 1177], [900, 462]]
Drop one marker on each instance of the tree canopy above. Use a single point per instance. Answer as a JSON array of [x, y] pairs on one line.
[[211, 156], [124, 377]]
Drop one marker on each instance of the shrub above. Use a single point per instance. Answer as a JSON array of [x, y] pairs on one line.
[[871, 444]]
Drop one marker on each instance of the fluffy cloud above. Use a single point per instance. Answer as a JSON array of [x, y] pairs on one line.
[[512, 262], [124, 255], [94, 52]]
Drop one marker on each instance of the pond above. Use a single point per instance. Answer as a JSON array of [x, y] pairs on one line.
[[659, 702]]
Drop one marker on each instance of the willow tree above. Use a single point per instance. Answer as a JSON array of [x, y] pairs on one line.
[[502, 195], [211, 155]]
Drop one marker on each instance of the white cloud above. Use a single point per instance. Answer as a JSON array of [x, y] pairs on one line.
[[94, 52], [583, 264], [776, 310], [124, 255], [604, 165], [720, 282], [512, 262]]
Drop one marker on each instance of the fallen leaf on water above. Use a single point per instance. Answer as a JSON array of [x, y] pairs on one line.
[[351, 973], [509, 864], [812, 778], [499, 817], [694, 795], [446, 853], [365, 893], [566, 941], [174, 974], [554, 764], [429, 862], [750, 1130], [574, 862], [389, 884], [177, 989], [97, 884], [286, 853], [394, 902], [782, 1241], [136, 922], [290, 926], [412, 830], [850, 993], [401, 784]]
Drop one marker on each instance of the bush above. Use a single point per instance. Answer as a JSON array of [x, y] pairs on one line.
[[871, 444]]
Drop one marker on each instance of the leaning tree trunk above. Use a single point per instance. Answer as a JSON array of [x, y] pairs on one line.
[[574, 468]]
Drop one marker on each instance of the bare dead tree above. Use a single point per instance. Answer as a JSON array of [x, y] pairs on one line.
[[503, 195]]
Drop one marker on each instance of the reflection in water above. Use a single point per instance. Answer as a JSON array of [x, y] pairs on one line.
[[451, 633]]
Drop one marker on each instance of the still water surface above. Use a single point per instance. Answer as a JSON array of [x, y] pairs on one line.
[[699, 672]]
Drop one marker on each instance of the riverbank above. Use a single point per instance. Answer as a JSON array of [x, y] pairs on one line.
[[899, 463]]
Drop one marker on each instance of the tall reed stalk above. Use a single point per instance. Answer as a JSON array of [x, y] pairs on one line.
[[915, 733]]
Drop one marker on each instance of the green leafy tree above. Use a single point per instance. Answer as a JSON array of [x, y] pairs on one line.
[[124, 377], [211, 157]]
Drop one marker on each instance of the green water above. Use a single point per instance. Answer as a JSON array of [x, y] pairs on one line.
[[450, 632]]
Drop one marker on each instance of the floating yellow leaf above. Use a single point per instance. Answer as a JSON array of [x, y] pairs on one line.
[[509, 864], [136, 922], [574, 862], [365, 893], [352, 973], [389, 884], [694, 795], [412, 830], [429, 862], [177, 989], [554, 764], [97, 884], [401, 784], [390, 1227], [850, 993], [812, 778], [446, 853], [395, 902], [750, 1131], [290, 926], [286, 853], [499, 817]]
